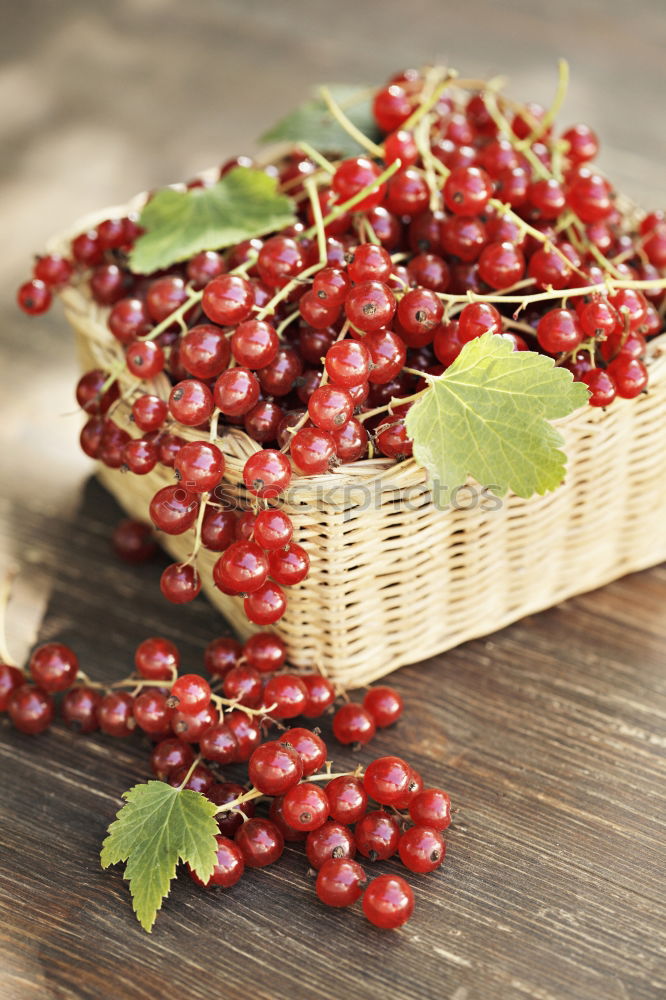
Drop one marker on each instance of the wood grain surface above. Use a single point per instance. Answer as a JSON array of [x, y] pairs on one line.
[[550, 735]]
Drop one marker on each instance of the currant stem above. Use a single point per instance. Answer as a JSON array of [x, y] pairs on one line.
[[316, 157], [190, 771], [607, 287], [346, 206], [348, 126]]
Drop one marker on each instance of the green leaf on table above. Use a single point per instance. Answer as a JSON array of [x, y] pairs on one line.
[[312, 122], [157, 827], [243, 204], [487, 417]]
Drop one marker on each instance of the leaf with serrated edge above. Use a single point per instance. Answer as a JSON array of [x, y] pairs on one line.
[[312, 122], [243, 204], [158, 826], [487, 417]]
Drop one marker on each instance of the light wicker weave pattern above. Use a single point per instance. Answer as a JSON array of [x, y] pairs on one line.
[[393, 578]]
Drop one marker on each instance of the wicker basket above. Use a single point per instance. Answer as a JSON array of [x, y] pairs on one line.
[[393, 578]]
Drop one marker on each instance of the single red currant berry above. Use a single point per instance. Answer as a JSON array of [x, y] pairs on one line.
[[280, 259], [267, 473], [388, 902], [180, 583], [559, 330], [90, 395], [274, 767], [260, 842], [157, 659], [229, 865], [79, 709], [287, 693], [431, 807], [30, 709], [355, 174], [242, 569], [386, 779], [583, 143], [145, 359], [312, 450], [377, 835], [129, 320], [548, 269], [351, 441], [384, 704], [369, 263], [430, 271], [370, 306], [340, 882], [203, 267], [330, 840], [149, 412], [273, 529], [353, 723], [601, 386], [391, 107], [254, 344], [331, 285], [10, 679], [191, 402], [228, 299], [467, 190], [265, 606], [305, 806], [347, 799], [90, 438], [421, 849], [54, 270], [243, 684], [246, 730], [173, 509], [205, 351], [164, 296], [265, 651], [309, 746], [288, 566], [115, 714], [321, 695], [501, 265], [200, 466], [54, 667], [388, 353], [348, 363], [629, 375], [236, 391], [221, 655], [34, 297], [189, 693], [276, 816], [590, 197], [219, 745], [463, 237], [599, 318], [392, 439], [191, 726], [408, 192], [631, 304], [419, 312], [140, 456], [169, 755]]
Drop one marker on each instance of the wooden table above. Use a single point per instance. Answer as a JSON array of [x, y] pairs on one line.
[[549, 735]]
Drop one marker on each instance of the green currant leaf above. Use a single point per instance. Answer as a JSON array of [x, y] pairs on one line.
[[243, 204], [487, 417], [156, 827], [312, 122]]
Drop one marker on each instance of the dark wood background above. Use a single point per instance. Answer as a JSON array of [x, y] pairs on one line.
[[549, 735]]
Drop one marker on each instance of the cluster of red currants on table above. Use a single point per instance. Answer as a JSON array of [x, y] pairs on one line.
[[195, 732]]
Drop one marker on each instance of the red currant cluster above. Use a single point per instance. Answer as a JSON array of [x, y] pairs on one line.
[[315, 340], [176, 711]]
